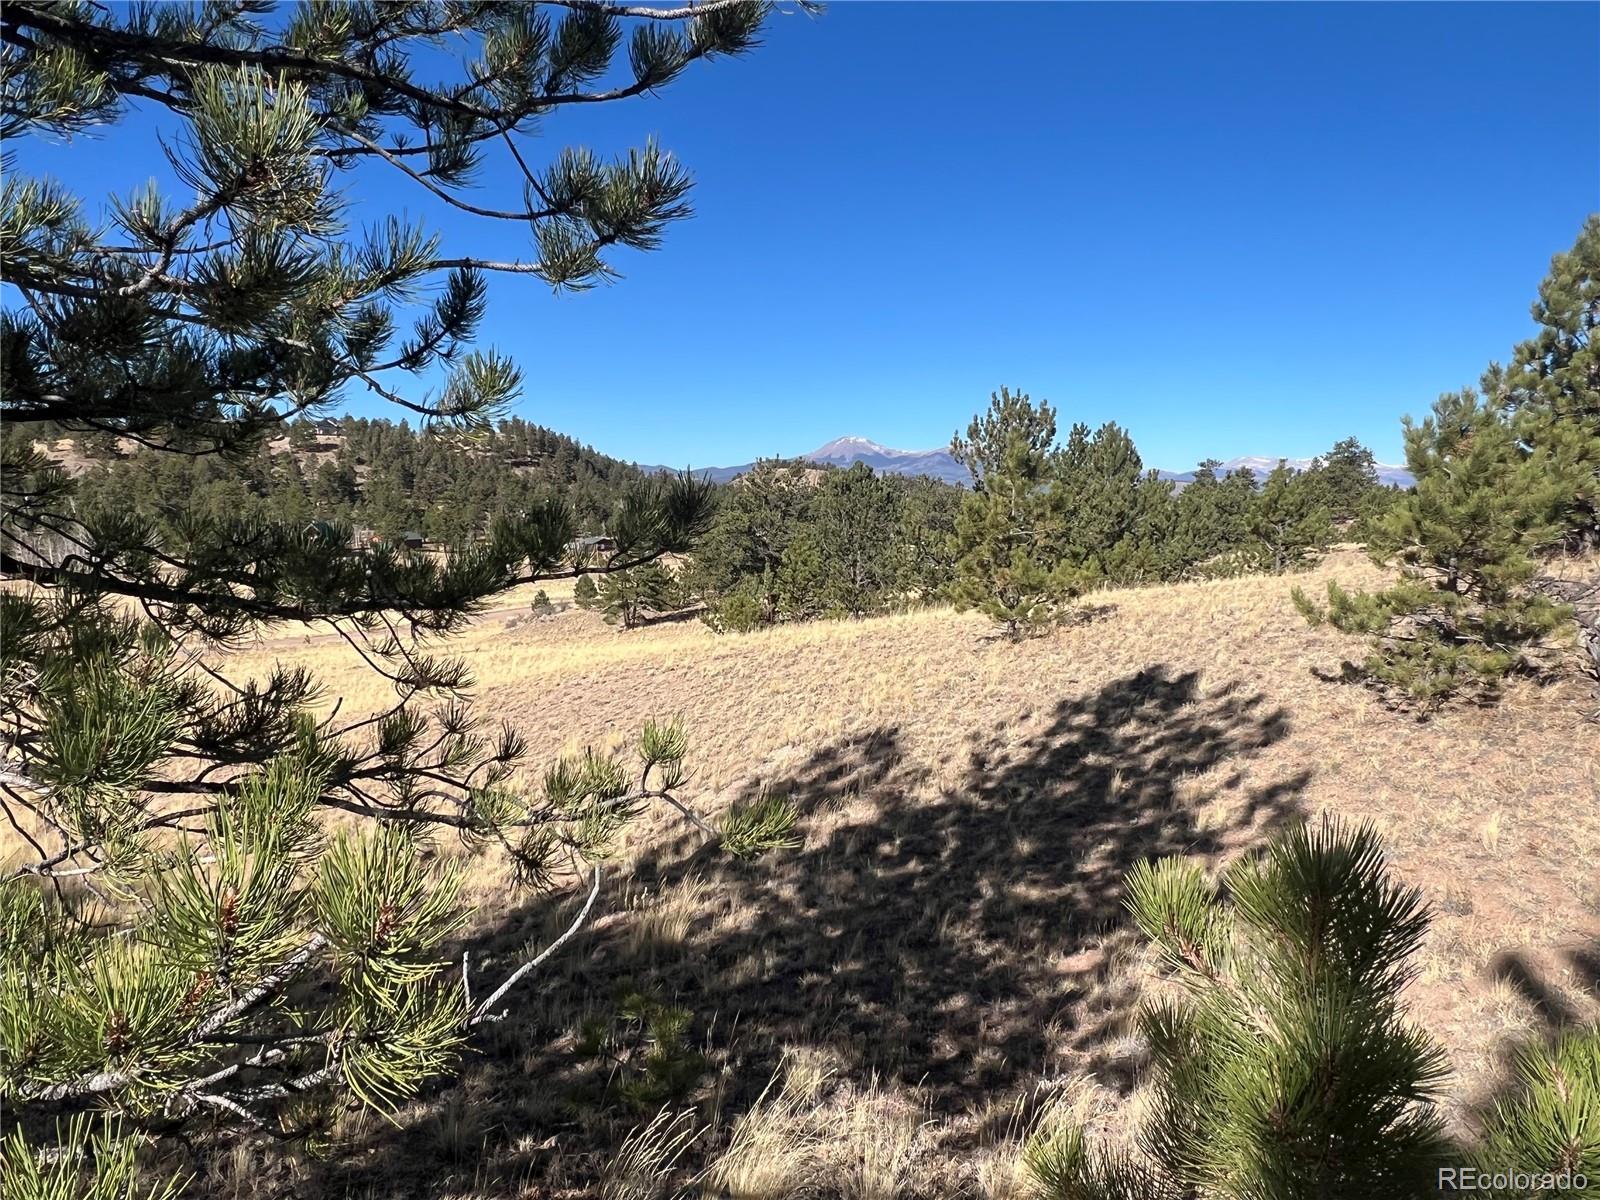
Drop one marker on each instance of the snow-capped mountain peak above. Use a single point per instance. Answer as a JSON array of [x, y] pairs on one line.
[[847, 447]]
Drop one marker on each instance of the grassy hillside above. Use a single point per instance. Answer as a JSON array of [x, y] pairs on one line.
[[945, 960]]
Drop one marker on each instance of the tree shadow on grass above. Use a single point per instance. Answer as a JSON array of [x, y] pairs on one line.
[[1561, 985], [956, 930]]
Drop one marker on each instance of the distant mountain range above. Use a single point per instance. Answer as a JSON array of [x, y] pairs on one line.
[[939, 464], [1388, 474]]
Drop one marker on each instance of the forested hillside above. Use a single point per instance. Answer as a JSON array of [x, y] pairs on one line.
[[385, 476]]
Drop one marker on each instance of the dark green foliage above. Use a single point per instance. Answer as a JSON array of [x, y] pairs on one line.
[[743, 607], [217, 958], [1098, 492], [1055, 520], [1288, 520], [1502, 480], [1013, 561], [372, 474], [1210, 530], [1551, 392], [1286, 1068], [642, 1051], [1462, 615], [794, 541], [1347, 475], [758, 517], [854, 516], [1550, 1124], [627, 597], [584, 593]]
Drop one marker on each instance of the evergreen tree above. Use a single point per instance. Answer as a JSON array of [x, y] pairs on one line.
[[585, 594], [1552, 390], [758, 516], [1097, 489], [225, 955], [1502, 480], [854, 519], [1346, 474], [1210, 527], [1462, 615], [1150, 550], [1288, 520], [923, 538], [1549, 1126], [1286, 1068], [625, 597], [1010, 533]]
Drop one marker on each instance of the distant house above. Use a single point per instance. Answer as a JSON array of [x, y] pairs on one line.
[[327, 427], [588, 546], [409, 540]]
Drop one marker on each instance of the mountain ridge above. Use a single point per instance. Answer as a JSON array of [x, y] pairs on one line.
[[940, 464]]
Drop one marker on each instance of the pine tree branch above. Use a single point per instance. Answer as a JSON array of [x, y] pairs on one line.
[[104, 44], [529, 214], [682, 13], [484, 1012], [269, 984]]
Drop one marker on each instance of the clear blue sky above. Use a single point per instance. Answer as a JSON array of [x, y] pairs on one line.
[[1234, 229]]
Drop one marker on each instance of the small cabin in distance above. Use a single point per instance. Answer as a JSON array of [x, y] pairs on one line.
[[363, 537], [588, 546]]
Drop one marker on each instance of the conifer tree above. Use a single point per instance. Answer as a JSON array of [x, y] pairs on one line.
[[1288, 520], [925, 529], [1346, 474], [1011, 559], [1097, 490], [626, 597], [184, 938], [585, 594], [1503, 479], [1210, 524], [1552, 390], [854, 518], [1548, 1127], [1286, 1069]]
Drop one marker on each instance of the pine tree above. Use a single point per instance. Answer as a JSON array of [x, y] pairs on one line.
[[224, 955], [1097, 487], [1011, 559], [1211, 523], [1286, 1068], [1503, 479], [585, 594], [757, 519], [625, 597], [1288, 520], [1549, 1127], [925, 529], [1346, 475], [854, 520], [1552, 390], [1462, 615]]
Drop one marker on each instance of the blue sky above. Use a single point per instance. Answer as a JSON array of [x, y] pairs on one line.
[[1234, 229]]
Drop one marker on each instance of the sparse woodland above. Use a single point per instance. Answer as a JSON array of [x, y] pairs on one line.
[[326, 871]]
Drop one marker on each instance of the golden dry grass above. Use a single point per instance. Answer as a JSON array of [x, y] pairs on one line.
[[944, 959]]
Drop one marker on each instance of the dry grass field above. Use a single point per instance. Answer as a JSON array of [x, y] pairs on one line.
[[886, 1009]]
